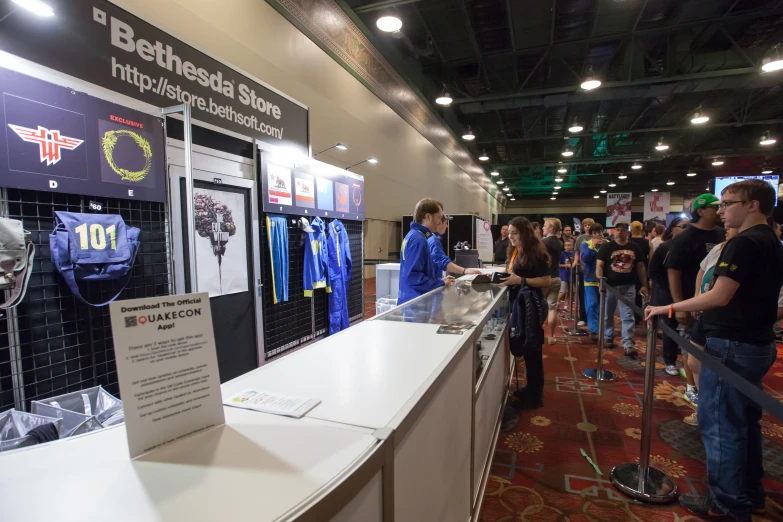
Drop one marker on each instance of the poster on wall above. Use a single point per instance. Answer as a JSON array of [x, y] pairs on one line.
[[55, 139], [618, 208], [656, 205], [103, 44], [312, 189], [687, 203], [484, 243], [221, 241]]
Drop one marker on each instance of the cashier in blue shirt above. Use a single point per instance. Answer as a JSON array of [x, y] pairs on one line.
[[418, 274], [439, 257]]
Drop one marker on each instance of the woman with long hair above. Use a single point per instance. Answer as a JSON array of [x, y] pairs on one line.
[[528, 266]]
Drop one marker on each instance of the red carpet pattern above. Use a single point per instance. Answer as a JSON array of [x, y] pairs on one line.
[[539, 474]]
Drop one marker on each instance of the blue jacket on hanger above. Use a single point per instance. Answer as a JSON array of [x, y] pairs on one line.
[[418, 274], [316, 259], [340, 265]]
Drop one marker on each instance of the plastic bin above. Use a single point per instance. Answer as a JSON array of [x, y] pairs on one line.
[[92, 402], [384, 304], [14, 426]]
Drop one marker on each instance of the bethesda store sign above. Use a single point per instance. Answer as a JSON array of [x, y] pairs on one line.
[[100, 43]]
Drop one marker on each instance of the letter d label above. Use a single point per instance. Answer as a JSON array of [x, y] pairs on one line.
[[52, 184]]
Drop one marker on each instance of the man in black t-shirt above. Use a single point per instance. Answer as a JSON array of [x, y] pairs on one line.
[[501, 246], [620, 262], [739, 311], [555, 248]]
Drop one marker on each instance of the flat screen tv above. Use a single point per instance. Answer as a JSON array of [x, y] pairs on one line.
[[721, 183]]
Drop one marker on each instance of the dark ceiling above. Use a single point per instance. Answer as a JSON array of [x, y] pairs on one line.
[[514, 69]]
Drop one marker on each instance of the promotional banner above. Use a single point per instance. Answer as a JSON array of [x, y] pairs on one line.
[[618, 208], [687, 203], [484, 243], [221, 245], [53, 138], [100, 43], [656, 205], [311, 190]]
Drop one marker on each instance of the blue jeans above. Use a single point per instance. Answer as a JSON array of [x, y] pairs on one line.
[[729, 425], [592, 308], [626, 314]]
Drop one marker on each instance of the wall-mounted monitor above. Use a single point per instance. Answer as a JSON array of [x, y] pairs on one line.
[[723, 182]]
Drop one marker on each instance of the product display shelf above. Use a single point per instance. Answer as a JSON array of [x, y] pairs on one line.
[[490, 348]]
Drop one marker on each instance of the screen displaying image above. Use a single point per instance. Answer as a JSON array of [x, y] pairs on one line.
[[722, 183]]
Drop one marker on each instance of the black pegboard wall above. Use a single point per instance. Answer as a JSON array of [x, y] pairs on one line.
[[62, 344]]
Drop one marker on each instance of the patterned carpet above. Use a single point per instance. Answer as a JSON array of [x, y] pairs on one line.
[[539, 474]]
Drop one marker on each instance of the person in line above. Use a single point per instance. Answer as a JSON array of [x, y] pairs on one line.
[[566, 262], [528, 266], [738, 313], [589, 257], [584, 236], [661, 296], [658, 232], [501, 246], [621, 262], [418, 274], [536, 228], [566, 234], [554, 247], [439, 257], [637, 236], [685, 255]]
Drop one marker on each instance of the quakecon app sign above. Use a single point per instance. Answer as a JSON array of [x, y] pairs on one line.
[[100, 43], [53, 138]]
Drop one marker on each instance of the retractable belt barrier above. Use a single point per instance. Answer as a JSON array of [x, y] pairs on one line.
[[638, 479]]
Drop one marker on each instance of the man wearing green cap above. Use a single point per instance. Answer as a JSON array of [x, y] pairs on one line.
[[687, 251]]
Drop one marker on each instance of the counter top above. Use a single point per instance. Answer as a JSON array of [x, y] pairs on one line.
[[459, 303]]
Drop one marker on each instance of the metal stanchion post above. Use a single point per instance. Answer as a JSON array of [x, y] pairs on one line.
[[599, 374], [638, 479], [575, 331]]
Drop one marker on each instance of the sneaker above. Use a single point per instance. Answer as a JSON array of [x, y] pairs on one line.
[[551, 340], [609, 343], [580, 323], [594, 337], [692, 395], [630, 351], [703, 507], [691, 420], [672, 370]]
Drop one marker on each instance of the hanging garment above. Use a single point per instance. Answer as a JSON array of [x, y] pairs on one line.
[[340, 265], [277, 236], [16, 260], [316, 259]]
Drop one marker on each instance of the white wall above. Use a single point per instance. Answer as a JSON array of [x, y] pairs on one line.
[[252, 36]]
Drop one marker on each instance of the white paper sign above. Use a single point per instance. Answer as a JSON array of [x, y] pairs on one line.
[[167, 368], [484, 240], [274, 403], [656, 205], [221, 241], [618, 208]]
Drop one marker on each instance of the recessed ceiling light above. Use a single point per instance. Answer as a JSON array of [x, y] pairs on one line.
[[636, 166], [372, 160], [612, 185], [444, 99], [555, 193], [558, 179], [513, 199], [556, 187], [506, 189], [772, 62], [691, 174], [670, 182], [622, 176], [661, 145], [717, 162], [35, 6], [575, 128], [562, 170], [596, 196], [468, 136], [654, 190], [699, 118], [553, 198], [765, 171], [484, 156], [500, 182], [602, 191], [767, 140], [494, 173], [568, 153], [389, 24]]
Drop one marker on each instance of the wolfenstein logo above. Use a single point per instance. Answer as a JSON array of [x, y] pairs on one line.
[[49, 142]]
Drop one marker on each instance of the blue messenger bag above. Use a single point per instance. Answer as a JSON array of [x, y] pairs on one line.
[[93, 247]]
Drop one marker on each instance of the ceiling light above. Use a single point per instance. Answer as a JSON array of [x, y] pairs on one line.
[[553, 198], [556, 187], [341, 146], [670, 182], [568, 153], [766, 170], [513, 199], [591, 81], [575, 128], [622, 176], [562, 170], [654, 190], [389, 24], [372, 160], [555, 193], [558, 179], [500, 182], [612, 185], [602, 191], [596, 196], [494, 173], [506, 189], [772, 61], [699, 118], [468, 136], [767, 140], [444, 99], [484, 156], [636, 166], [691, 174], [35, 6], [717, 162], [661, 145]]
